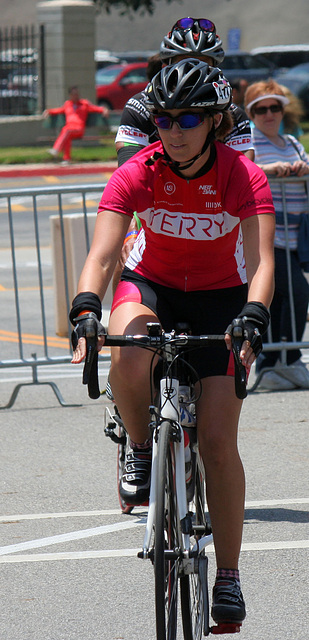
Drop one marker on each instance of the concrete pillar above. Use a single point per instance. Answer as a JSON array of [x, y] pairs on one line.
[[69, 48]]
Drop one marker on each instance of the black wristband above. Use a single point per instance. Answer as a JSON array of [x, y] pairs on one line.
[[85, 301], [257, 314]]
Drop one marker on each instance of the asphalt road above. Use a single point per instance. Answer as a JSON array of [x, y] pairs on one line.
[[69, 567], [68, 556]]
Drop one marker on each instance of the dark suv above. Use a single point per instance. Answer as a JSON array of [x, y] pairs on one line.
[[240, 64]]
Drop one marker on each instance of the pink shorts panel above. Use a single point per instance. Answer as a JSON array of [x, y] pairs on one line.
[[126, 292]]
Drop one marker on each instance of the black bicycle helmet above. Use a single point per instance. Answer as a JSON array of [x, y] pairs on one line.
[[192, 36], [189, 83]]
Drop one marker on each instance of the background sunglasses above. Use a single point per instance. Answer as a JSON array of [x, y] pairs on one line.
[[184, 120], [261, 111], [188, 23]]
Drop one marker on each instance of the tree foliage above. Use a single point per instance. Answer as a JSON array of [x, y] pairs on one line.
[[128, 7]]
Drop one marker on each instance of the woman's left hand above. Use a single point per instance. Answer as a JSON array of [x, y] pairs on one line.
[[300, 168]]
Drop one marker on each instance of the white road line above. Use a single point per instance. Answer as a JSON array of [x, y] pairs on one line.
[[68, 537], [121, 553], [69, 514], [70, 555], [53, 372], [272, 503], [137, 510]]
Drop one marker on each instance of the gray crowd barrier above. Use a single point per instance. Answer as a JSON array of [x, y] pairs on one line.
[[283, 346], [55, 246], [41, 257]]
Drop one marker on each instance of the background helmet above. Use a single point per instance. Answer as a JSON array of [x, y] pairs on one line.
[[192, 36], [186, 84]]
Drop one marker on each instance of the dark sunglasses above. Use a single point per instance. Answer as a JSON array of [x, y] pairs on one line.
[[188, 23], [261, 111], [187, 120]]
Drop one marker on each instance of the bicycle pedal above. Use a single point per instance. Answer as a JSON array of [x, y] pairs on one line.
[[226, 627]]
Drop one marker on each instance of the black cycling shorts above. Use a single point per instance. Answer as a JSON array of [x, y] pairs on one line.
[[206, 312]]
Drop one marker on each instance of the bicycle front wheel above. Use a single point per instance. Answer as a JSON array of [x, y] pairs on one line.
[[167, 541], [194, 587]]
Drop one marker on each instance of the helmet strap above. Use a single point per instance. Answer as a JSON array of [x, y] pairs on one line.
[[182, 167]]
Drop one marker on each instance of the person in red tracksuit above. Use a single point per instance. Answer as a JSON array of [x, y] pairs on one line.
[[76, 111]]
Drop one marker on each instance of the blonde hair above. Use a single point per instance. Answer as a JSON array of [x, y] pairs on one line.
[[293, 112], [260, 89]]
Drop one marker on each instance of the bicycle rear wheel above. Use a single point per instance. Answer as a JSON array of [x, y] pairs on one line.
[[167, 539], [194, 587]]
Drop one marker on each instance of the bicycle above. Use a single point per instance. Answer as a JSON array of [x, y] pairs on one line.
[[177, 531]]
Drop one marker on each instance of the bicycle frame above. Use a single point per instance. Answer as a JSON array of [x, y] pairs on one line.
[[176, 559], [169, 390]]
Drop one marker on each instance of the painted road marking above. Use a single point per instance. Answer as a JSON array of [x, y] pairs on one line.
[[137, 510], [121, 553], [51, 179], [5, 551], [69, 514], [22, 208], [31, 338], [68, 537]]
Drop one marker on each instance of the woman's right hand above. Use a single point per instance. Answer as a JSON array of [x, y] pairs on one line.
[[88, 327], [79, 352]]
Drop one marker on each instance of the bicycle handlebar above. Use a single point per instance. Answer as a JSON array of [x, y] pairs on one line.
[[90, 372], [162, 340]]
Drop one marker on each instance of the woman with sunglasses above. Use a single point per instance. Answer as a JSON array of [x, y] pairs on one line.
[[282, 156], [188, 38], [208, 219]]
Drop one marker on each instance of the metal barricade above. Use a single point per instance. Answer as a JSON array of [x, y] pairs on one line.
[[27, 281], [284, 345], [28, 275]]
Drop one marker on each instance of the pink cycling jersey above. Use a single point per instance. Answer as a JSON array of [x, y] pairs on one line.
[[193, 238]]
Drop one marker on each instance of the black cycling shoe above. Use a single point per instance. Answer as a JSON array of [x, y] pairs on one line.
[[228, 603], [134, 485]]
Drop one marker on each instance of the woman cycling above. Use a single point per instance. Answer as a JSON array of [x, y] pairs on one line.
[[209, 223]]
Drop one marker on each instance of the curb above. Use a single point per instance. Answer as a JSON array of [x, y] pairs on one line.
[[16, 171]]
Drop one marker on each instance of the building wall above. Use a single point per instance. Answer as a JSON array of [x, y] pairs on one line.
[[261, 22]]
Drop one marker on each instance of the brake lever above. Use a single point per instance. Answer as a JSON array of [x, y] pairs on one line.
[[240, 369], [90, 371]]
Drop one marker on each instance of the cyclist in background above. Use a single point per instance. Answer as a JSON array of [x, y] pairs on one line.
[[209, 222], [190, 38]]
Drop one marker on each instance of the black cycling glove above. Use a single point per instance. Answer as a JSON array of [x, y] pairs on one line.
[[255, 319], [88, 302], [81, 329], [85, 316]]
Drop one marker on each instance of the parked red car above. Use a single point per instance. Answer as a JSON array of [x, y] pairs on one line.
[[117, 83]]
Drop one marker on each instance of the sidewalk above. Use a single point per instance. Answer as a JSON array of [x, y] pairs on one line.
[[56, 169]]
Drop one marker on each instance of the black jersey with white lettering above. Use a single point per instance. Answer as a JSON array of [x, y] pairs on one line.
[[136, 127]]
